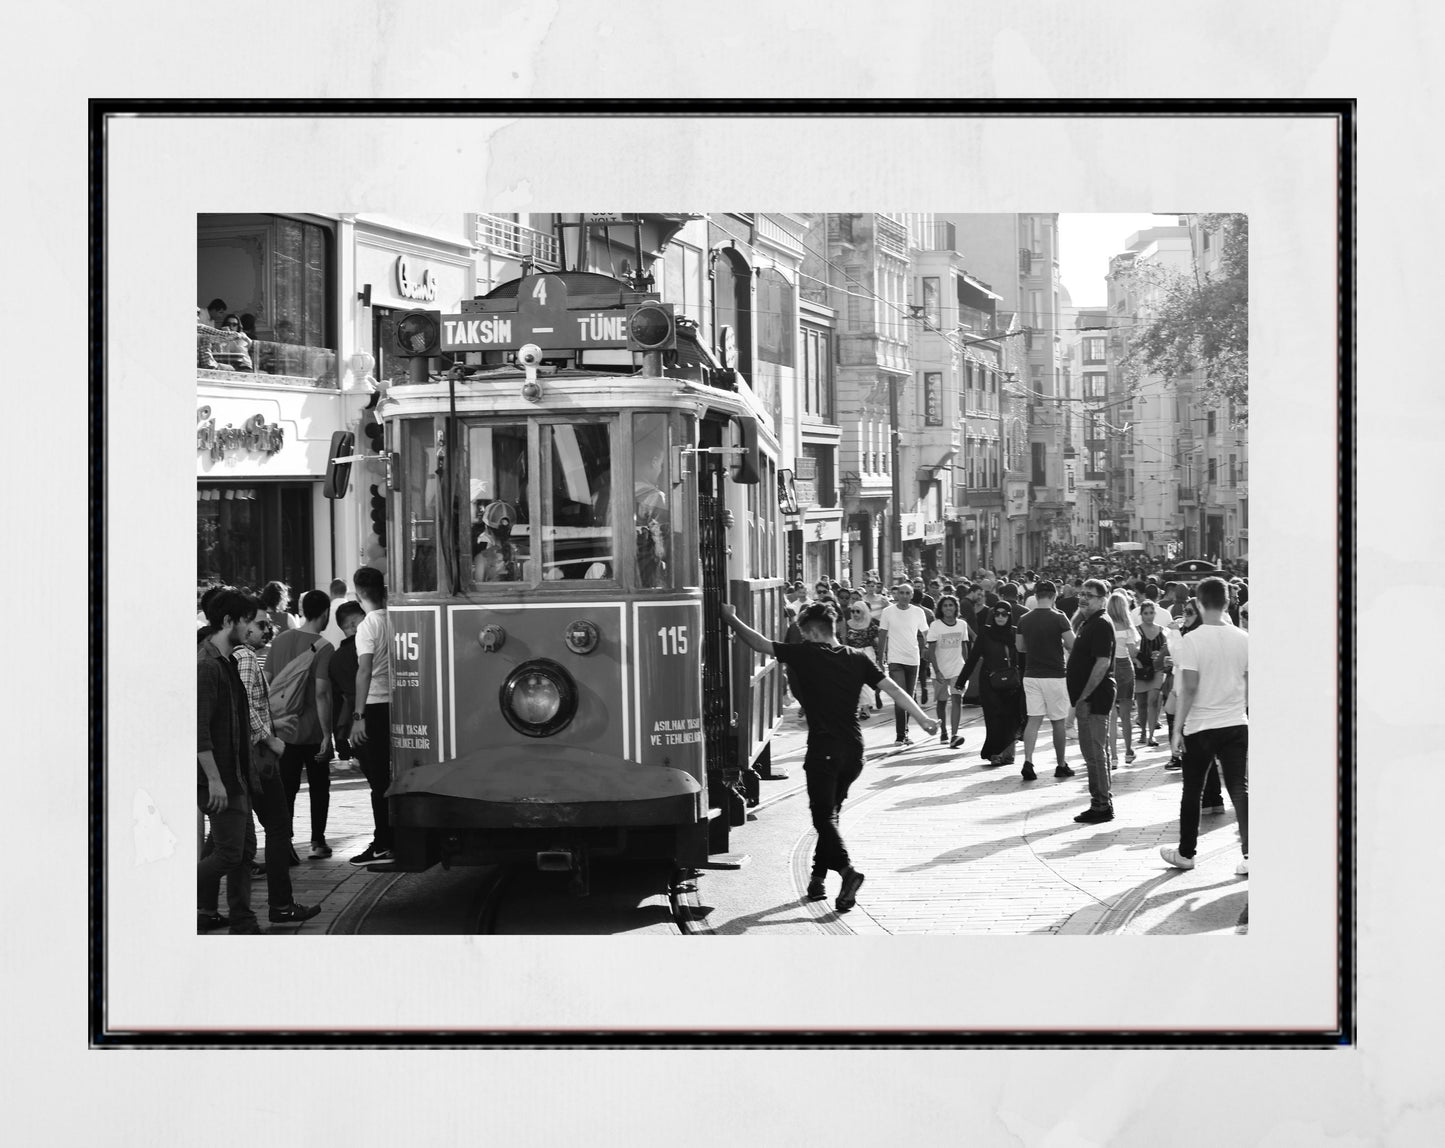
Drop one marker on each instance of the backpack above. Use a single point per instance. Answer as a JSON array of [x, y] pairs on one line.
[[288, 693]]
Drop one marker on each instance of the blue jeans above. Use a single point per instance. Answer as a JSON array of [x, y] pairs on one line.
[[906, 676], [1093, 735], [1230, 748], [231, 847]]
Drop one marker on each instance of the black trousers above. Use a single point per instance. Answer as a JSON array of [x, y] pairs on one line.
[[1226, 751], [298, 759], [274, 813], [376, 768], [829, 773]]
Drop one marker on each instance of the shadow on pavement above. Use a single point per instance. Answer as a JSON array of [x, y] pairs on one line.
[[979, 851], [763, 918], [1224, 913]]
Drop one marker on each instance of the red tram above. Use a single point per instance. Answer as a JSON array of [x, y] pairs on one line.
[[574, 485]]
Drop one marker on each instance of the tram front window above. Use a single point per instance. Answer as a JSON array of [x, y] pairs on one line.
[[576, 526], [662, 559], [501, 536]]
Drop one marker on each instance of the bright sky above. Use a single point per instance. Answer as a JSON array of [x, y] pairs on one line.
[[1086, 241]]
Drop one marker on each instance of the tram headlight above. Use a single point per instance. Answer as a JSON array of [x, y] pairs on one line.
[[651, 327], [538, 698]]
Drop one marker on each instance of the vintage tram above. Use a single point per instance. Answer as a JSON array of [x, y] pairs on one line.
[[573, 485]]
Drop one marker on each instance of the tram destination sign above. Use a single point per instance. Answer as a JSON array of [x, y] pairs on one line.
[[543, 317]]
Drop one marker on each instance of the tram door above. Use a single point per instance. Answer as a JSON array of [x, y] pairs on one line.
[[719, 746]]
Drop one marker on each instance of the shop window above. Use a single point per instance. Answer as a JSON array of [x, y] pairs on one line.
[[250, 534], [276, 275]]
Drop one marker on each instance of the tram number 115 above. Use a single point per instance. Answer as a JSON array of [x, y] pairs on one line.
[[406, 647], [674, 639]]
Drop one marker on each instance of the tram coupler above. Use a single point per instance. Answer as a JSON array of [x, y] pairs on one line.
[[572, 861]]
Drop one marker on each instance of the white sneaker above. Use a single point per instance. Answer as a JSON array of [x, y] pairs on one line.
[[1175, 858], [1242, 869]]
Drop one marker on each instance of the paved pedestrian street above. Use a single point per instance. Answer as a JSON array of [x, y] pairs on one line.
[[949, 846]]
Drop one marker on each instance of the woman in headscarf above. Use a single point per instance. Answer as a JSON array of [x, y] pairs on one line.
[[1000, 684], [860, 632]]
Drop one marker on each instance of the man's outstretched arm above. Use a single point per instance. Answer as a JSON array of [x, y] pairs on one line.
[[749, 636]]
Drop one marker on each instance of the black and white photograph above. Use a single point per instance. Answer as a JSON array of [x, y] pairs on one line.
[[999, 460], [924, 635], [969, 374]]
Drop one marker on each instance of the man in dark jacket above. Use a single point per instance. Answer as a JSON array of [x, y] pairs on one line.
[[223, 766]]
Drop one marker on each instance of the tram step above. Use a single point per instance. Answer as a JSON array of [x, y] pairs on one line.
[[725, 861]]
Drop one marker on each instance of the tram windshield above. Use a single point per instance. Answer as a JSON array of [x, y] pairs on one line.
[[534, 502]]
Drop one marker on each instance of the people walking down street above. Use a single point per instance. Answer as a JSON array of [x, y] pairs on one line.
[[223, 766], [861, 633], [1150, 666], [947, 639], [1000, 683], [1043, 637], [371, 725], [271, 807], [902, 628], [1091, 688], [829, 677], [1188, 621], [308, 746], [1126, 647], [1213, 722]]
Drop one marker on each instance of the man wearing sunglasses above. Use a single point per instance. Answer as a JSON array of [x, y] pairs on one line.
[[1091, 693]]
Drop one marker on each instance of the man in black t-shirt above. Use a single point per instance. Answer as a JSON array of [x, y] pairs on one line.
[[1090, 677], [828, 677]]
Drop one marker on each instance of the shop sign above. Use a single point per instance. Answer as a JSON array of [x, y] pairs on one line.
[[254, 434], [1018, 498], [933, 399], [933, 531], [827, 531], [912, 525], [408, 286]]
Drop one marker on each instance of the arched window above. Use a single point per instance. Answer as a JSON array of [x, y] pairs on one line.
[[777, 319], [733, 305]]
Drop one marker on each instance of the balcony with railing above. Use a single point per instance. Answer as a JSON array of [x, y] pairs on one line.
[[234, 357], [1188, 496], [514, 240], [890, 236]]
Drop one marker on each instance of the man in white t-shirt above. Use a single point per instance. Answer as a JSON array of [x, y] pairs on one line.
[[332, 632], [1212, 676], [371, 726], [902, 629]]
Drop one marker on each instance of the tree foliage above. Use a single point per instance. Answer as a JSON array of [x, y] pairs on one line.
[[1199, 322]]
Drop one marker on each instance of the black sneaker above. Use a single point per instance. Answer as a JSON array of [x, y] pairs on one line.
[[816, 889], [1174, 763], [1027, 773], [956, 742], [848, 894], [368, 855], [1093, 816], [942, 737], [1063, 771], [320, 849], [209, 922], [293, 914], [904, 740]]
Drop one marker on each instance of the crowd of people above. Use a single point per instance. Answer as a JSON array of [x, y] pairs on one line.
[[277, 701], [1109, 657]]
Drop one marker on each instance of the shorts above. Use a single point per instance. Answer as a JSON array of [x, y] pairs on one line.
[[1046, 697]]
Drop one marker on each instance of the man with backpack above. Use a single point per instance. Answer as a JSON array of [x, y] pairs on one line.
[[270, 805], [297, 672]]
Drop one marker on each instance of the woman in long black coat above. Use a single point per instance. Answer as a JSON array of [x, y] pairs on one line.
[[1003, 708]]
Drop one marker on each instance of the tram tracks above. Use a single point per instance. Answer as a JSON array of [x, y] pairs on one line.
[[625, 899]]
